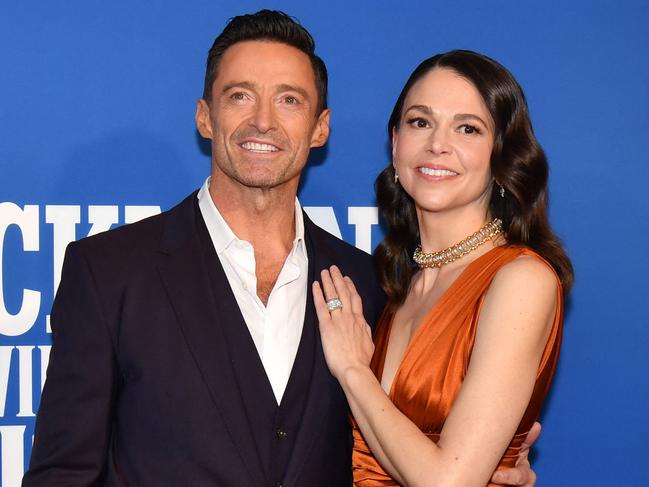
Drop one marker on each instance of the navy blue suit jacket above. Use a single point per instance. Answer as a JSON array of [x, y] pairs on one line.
[[142, 384]]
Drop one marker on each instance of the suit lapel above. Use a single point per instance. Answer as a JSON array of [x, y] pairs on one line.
[[322, 384], [201, 319]]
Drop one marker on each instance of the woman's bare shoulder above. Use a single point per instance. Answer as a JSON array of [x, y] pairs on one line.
[[527, 274]]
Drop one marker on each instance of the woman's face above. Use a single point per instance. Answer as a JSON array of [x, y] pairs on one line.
[[441, 148]]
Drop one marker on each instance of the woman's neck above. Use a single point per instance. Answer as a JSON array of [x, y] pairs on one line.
[[440, 230]]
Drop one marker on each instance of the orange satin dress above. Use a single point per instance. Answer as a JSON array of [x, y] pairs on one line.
[[436, 360]]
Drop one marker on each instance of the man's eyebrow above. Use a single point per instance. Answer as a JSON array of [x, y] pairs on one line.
[[247, 85], [239, 84]]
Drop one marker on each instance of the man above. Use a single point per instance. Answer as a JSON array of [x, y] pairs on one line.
[[185, 348]]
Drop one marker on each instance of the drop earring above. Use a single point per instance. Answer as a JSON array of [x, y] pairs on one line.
[[396, 177], [501, 190]]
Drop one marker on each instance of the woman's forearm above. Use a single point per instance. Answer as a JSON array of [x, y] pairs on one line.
[[396, 442]]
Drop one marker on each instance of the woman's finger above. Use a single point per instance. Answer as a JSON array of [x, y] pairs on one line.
[[330, 291], [320, 304], [342, 292], [355, 300], [328, 288], [356, 303]]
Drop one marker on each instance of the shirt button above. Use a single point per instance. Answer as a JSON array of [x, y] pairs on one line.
[[281, 434], [279, 484]]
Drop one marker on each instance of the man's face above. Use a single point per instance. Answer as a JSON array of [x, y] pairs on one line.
[[262, 119]]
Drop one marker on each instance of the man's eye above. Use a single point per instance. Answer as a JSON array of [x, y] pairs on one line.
[[290, 100], [238, 96], [419, 123]]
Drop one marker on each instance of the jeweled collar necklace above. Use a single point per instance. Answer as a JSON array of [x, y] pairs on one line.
[[451, 254]]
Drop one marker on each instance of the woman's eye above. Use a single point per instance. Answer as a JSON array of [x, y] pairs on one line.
[[469, 129], [419, 123]]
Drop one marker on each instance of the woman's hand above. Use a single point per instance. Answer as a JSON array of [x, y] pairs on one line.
[[346, 336]]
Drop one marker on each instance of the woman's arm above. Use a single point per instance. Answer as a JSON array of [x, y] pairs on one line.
[[514, 325]]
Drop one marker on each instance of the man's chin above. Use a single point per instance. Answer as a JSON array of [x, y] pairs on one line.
[[266, 183]]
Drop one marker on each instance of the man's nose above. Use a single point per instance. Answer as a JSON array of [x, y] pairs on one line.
[[263, 118]]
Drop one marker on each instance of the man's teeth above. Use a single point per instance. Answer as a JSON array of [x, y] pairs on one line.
[[436, 172], [257, 147]]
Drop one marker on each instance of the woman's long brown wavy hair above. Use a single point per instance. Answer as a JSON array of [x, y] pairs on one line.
[[517, 163]]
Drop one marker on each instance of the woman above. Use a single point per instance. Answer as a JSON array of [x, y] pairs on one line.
[[468, 343]]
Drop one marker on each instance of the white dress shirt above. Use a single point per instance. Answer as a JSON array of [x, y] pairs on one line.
[[277, 327]]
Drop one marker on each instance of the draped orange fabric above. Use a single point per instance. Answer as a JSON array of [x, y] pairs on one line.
[[436, 360]]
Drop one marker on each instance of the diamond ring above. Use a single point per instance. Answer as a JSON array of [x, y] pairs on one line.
[[333, 304]]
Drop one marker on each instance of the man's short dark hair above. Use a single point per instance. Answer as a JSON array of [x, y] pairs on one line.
[[270, 25]]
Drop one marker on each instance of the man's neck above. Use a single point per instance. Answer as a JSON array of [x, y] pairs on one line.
[[263, 217]]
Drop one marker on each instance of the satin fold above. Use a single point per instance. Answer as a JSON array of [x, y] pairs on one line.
[[435, 363]]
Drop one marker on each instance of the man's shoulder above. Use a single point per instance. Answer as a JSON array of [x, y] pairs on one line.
[[131, 241], [139, 233], [353, 262], [328, 243]]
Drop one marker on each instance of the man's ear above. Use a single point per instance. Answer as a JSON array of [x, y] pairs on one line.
[[203, 119], [321, 132]]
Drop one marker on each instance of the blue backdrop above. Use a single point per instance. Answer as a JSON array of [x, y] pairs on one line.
[[96, 117]]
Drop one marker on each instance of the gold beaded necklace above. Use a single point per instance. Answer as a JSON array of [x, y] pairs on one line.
[[451, 254]]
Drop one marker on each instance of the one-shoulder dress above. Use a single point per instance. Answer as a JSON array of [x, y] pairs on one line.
[[433, 367]]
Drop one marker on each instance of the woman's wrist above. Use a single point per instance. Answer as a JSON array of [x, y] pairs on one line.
[[355, 376]]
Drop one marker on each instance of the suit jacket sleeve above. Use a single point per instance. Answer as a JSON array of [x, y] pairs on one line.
[[75, 415]]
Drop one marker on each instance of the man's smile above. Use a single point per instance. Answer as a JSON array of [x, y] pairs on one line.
[[258, 147]]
